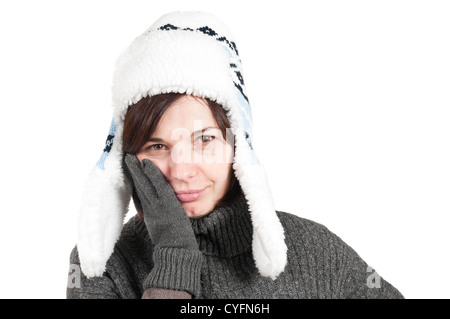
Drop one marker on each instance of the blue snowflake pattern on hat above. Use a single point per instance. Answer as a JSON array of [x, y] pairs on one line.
[[108, 146]]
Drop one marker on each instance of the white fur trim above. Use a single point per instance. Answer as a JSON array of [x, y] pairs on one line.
[[104, 205], [193, 63], [269, 248]]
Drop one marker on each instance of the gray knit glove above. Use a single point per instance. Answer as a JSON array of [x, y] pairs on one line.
[[177, 259]]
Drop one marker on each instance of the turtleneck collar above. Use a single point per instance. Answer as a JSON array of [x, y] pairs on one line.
[[225, 232]]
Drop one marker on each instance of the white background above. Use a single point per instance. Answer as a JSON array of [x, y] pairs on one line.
[[351, 107]]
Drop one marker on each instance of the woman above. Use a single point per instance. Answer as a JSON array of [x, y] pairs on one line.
[[180, 145]]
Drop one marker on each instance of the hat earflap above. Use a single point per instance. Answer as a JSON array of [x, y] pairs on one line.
[[104, 205]]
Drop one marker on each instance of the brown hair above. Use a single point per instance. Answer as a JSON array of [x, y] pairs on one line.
[[141, 121]]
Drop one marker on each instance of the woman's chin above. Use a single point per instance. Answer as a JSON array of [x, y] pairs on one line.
[[196, 209]]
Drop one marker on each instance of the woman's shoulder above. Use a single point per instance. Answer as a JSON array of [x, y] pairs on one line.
[[133, 240], [293, 218], [313, 244], [298, 224], [309, 234], [123, 273]]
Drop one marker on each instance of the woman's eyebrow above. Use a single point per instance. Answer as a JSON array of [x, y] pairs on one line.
[[155, 139], [202, 130], [160, 140]]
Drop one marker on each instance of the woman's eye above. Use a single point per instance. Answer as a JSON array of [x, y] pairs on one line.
[[206, 138], [155, 147]]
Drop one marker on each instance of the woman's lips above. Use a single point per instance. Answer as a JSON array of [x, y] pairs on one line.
[[189, 196]]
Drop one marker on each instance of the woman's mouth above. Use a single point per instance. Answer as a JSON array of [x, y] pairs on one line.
[[189, 195]]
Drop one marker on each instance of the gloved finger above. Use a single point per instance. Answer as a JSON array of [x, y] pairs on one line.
[[162, 186], [142, 183]]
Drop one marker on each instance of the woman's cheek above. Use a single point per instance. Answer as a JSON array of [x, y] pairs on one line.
[[217, 153]]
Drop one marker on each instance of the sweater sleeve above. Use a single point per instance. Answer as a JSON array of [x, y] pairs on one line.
[[114, 284], [358, 280], [81, 287]]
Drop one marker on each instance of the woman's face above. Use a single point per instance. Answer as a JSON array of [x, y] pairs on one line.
[[189, 149]]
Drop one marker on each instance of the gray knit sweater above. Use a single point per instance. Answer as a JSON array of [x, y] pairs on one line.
[[320, 264]]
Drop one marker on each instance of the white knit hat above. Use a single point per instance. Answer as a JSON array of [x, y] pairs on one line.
[[183, 52]]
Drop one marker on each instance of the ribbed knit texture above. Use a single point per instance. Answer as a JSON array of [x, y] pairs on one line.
[[320, 264], [176, 269]]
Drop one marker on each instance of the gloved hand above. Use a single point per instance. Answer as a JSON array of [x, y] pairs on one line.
[[177, 259]]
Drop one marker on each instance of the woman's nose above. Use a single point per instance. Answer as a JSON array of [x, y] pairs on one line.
[[181, 164], [182, 171]]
